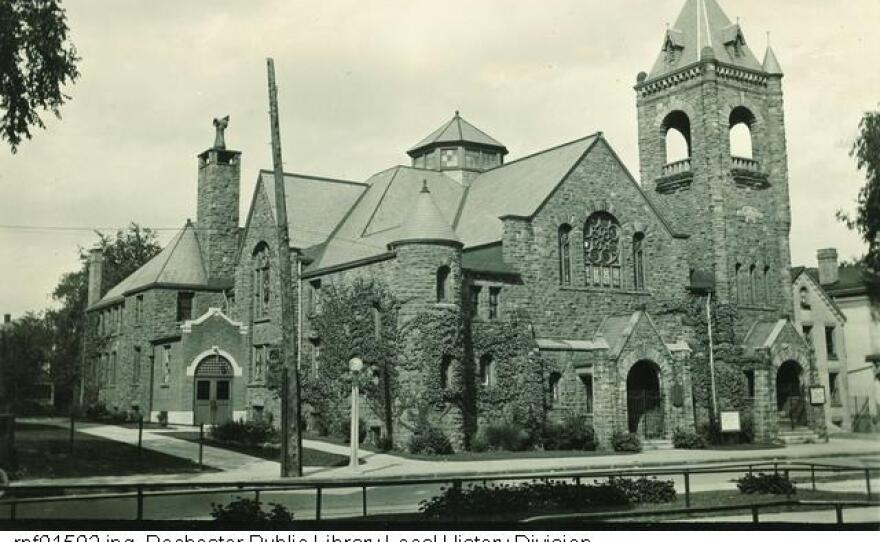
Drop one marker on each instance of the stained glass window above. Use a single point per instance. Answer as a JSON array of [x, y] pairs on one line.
[[602, 251]]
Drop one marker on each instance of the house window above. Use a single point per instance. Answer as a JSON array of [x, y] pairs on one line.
[[750, 382], [139, 309], [555, 382], [184, 306], [565, 254], [262, 283], [442, 283], [475, 300], [830, 347], [487, 371], [638, 257], [834, 389], [602, 251], [494, 292], [136, 366], [446, 372], [166, 365]]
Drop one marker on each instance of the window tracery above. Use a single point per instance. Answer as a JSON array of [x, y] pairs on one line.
[[602, 251]]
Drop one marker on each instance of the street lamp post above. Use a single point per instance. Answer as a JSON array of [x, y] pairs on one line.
[[355, 365]]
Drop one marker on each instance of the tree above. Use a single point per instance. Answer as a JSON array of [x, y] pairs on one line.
[[124, 252], [36, 61], [866, 151], [25, 352]]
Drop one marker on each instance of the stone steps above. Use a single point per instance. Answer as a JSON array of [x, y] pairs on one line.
[[798, 435], [657, 444]]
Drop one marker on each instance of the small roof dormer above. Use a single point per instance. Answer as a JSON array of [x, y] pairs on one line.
[[458, 148]]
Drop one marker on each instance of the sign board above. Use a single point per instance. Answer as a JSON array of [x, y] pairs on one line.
[[730, 421], [817, 395]]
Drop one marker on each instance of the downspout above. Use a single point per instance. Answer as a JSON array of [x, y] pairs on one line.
[[299, 313], [711, 358]]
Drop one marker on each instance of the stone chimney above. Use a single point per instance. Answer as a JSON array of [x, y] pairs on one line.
[[827, 265], [96, 270], [7, 318]]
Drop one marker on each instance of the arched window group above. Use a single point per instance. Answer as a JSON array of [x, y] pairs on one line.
[[261, 288], [602, 251], [752, 284]]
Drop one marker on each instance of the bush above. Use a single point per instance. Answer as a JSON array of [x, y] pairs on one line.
[[775, 484], [573, 433], [688, 440], [385, 443], [506, 436], [626, 442], [345, 430], [96, 411], [250, 511], [645, 490], [429, 440], [531, 497], [246, 433]]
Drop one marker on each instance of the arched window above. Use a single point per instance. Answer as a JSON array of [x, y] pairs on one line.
[[741, 123], [677, 133], [740, 286], [442, 283], [446, 372], [555, 391], [767, 289], [638, 261], [261, 284], [805, 298], [565, 254], [602, 251], [487, 371], [753, 285]]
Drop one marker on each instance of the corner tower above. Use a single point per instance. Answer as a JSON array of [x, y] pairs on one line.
[[713, 156], [217, 208]]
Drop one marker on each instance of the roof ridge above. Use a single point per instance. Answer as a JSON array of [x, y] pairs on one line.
[[379, 202], [176, 244], [314, 177], [526, 157]]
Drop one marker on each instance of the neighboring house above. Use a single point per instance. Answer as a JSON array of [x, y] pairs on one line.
[[823, 324], [847, 286], [598, 265]]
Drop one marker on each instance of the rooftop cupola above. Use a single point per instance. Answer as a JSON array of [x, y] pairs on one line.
[[425, 223], [459, 149]]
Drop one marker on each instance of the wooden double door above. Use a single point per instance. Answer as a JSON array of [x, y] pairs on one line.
[[212, 396]]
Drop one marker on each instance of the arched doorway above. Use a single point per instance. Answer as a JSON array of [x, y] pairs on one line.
[[790, 400], [644, 400], [213, 391]]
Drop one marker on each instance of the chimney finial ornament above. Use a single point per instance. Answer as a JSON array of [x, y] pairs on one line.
[[220, 126]]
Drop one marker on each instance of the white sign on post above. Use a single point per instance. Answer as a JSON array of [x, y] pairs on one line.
[[730, 421]]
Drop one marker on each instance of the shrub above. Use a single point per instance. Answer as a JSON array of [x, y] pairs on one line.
[[96, 411], [775, 484], [688, 440], [385, 443], [506, 436], [250, 511], [645, 490], [626, 442], [429, 440], [246, 433], [345, 430], [573, 433]]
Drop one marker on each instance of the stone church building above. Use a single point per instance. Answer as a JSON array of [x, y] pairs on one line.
[[595, 260]]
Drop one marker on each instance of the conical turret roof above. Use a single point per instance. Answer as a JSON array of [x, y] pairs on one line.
[[702, 24], [771, 64], [426, 223], [457, 131]]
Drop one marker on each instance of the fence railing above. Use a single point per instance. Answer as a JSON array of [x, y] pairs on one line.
[[13, 501]]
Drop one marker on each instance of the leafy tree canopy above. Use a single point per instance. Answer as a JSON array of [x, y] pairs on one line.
[[36, 61]]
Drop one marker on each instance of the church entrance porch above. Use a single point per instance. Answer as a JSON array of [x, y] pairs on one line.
[[644, 401], [790, 396], [213, 391]]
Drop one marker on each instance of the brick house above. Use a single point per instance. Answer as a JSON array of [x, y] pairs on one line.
[[565, 238]]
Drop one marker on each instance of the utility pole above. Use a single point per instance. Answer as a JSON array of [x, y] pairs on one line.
[[291, 432]]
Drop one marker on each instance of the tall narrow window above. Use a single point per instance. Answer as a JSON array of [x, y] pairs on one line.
[[555, 391], [750, 382], [565, 254], [487, 371], [166, 365], [741, 285], [677, 129], [261, 286], [446, 372], [602, 251], [808, 334], [494, 293], [766, 284], [138, 309], [587, 381], [113, 368], [753, 285], [442, 283], [834, 389], [136, 366], [830, 346], [184, 306], [638, 261], [258, 366], [475, 300]]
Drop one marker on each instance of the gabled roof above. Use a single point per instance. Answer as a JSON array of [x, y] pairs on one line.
[[702, 23], [180, 263], [425, 222], [812, 276], [315, 205], [457, 131], [852, 280]]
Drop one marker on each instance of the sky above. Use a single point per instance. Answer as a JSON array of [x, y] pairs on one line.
[[361, 82]]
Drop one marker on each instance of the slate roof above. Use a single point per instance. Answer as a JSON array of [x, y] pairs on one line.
[[702, 23], [851, 280], [760, 332], [771, 63], [315, 205], [487, 259], [457, 131], [179, 263], [425, 222]]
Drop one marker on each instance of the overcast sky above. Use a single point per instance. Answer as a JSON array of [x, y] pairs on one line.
[[359, 86]]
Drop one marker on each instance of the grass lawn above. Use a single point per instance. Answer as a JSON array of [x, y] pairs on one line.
[[44, 452], [311, 458]]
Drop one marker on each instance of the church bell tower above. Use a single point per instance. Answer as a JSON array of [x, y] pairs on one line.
[[713, 156]]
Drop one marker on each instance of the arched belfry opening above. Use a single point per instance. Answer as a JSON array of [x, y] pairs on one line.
[[644, 400], [742, 123], [790, 395], [677, 134]]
